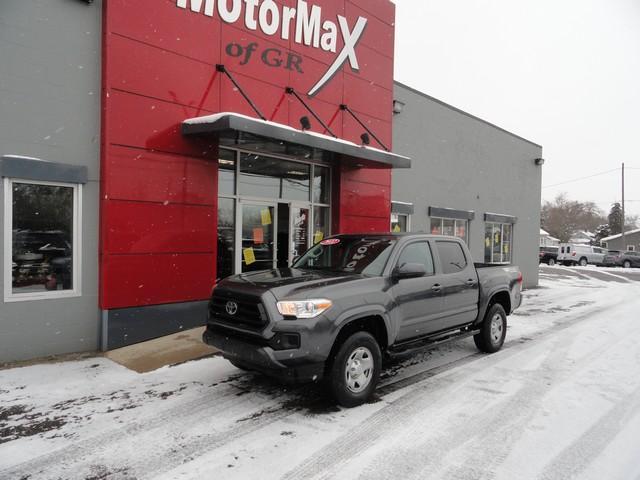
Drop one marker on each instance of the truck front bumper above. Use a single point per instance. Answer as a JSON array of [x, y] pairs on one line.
[[289, 366]]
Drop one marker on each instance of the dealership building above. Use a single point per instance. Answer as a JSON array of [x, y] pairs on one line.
[[151, 148]]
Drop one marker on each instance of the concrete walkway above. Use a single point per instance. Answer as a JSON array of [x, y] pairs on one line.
[[170, 350]]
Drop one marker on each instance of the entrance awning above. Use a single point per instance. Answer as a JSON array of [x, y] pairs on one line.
[[230, 124]]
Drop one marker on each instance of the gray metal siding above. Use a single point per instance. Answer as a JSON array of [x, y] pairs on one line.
[[464, 163], [50, 83], [630, 239]]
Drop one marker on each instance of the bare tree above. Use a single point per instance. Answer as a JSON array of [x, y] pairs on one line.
[[562, 218]]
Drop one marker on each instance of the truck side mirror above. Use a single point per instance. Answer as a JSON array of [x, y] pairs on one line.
[[409, 270]]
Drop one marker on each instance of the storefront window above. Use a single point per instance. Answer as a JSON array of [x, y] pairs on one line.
[[399, 223], [258, 239], [226, 237], [321, 183], [321, 224], [292, 196], [42, 229], [226, 172], [267, 177], [450, 228], [498, 240]]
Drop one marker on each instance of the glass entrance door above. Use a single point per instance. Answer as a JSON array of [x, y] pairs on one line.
[[257, 225], [293, 232]]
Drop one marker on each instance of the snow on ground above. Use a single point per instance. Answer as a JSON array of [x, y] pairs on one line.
[[561, 400]]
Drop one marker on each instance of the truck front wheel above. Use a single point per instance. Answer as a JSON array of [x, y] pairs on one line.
[[493, 330], [355, 370]]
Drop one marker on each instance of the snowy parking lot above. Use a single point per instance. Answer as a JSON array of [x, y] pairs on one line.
[[561, 400]]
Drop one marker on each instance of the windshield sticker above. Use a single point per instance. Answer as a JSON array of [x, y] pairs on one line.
[[330, 241]]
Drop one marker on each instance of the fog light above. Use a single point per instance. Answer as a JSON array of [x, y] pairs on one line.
[[285, 341]]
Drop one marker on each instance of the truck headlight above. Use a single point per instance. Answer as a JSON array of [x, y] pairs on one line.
[[304, 308]]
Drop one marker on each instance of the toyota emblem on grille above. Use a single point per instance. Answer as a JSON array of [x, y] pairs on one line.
[[231, 307]]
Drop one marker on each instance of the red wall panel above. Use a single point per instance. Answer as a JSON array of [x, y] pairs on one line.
[[143, 175], [158, 208], [156, 279], [137, 227]]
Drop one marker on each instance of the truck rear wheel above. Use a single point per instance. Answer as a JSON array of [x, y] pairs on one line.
[[355, 370], [493, 330]]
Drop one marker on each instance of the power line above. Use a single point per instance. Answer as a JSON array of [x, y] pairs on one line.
[[583, 178]]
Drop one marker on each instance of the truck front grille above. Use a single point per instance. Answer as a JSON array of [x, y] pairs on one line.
[[247, 312]]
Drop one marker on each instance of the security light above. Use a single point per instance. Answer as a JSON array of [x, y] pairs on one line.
[[305, 123], [365, 139], [539, 161]]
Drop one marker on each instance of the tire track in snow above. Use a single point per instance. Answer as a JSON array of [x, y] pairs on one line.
[[80, 454], [182, 415], [328, 462], [496, 443], [574, 459]]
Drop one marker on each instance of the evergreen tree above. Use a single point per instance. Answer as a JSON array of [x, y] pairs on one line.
[[615, 219], [603, 231]]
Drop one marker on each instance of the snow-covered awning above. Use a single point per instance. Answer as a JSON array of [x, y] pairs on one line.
[[226, 123]]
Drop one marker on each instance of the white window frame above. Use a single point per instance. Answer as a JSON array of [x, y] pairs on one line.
[[398, 215], [631, 248], [9, 295], [455, 225], [502, 242]]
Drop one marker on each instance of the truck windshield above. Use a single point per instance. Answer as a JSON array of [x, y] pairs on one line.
[[362, 255]]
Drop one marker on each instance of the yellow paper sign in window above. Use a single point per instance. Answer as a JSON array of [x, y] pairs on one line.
[[397, 229], [506, 248], [266, 216], [249, 256], [487, 242], [318, 236]]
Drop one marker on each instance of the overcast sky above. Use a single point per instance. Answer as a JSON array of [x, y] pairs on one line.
[[562, 73]]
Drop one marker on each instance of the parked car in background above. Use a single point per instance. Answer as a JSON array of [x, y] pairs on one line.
[[616, 258], [549, 255], [583, 255]]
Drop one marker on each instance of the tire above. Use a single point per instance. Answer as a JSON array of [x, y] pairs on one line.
[[551, 262], [493, 330], [626, 264], [355, 370], [583, 262]]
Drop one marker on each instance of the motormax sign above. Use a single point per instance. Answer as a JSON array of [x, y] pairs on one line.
[[304, 25]]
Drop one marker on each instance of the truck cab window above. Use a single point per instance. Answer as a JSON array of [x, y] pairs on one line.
[[451, 256], [418, 252]]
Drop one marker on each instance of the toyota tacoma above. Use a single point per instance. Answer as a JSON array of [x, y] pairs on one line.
[[350, 300]]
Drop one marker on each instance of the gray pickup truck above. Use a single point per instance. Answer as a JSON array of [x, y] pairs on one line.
[[352, 299]]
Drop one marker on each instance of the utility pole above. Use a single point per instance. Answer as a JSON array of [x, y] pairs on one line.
[[624, 243]]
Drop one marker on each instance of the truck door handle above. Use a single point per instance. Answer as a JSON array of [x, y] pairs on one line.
[[471, 282], [437, 287]]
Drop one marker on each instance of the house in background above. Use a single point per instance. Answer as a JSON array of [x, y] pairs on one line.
[[582, 237], [547, 240], [631, 241]]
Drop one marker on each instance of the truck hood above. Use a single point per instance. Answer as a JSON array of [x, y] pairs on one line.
[[285, 282]]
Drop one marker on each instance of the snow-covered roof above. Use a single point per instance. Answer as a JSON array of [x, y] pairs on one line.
[[613, 237], [543, 232]]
